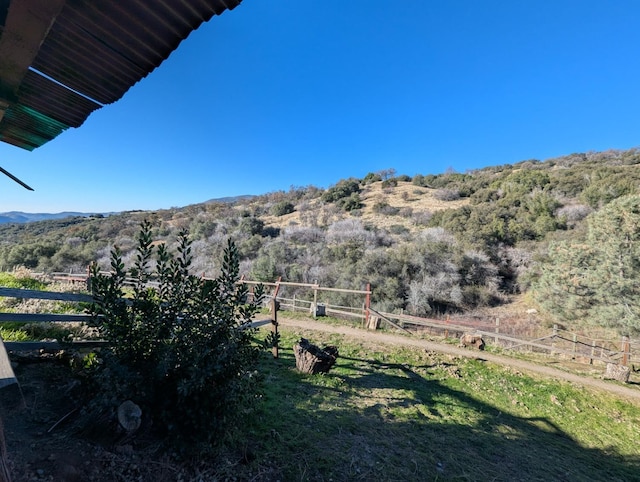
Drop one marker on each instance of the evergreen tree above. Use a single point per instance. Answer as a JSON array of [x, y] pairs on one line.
[[597, 280]]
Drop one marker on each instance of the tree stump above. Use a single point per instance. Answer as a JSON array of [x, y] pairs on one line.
[[312, 359], [617, 372]]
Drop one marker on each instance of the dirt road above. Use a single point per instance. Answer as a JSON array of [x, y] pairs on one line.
[[629, 391]]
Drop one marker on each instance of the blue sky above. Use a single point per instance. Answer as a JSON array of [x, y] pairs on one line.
[[284, 93]]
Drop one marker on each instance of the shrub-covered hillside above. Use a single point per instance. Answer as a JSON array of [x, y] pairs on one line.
[[431, 244]]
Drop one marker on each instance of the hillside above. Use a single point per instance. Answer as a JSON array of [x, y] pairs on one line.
[[20, 217], [430, 245]]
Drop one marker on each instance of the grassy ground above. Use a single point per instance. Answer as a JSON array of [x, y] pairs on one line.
[[386, 413]]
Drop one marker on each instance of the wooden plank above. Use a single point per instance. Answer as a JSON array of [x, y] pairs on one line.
[[44, 317], [44, 295], [390, 322], [51, 345], [256, 324], [7, 377]]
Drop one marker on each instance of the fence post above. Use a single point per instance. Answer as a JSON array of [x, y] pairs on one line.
[[89, 276], [593, 351], [367, 304], [575, 346], [315, 300], [274, 327], [625, 351], [497, 330], [553, 340], [294, 303]]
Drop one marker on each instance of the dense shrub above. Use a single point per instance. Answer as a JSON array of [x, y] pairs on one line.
[[446, 194], [351, 203], [371, 177], [385, 209], [177, 350], [281, 208], [342, 189]]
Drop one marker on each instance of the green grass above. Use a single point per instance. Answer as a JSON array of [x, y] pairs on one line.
[[8, 280], [391, 413], [35, 331], [22, 331]]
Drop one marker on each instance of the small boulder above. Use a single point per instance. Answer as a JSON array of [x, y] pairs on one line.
[[472, 340], [617, 372]]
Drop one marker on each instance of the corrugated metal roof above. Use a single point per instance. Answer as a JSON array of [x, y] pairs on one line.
[[92, 52]]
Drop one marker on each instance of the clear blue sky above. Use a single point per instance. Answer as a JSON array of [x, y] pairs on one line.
[[296, 92]]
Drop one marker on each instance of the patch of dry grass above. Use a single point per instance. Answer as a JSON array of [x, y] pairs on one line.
[[412, 203]]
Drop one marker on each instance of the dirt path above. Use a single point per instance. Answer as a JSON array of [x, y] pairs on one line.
[[629, 392]]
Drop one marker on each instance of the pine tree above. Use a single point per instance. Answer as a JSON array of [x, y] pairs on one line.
[[597, 280]]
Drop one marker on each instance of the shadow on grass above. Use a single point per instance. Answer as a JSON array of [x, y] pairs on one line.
[[370, 420]]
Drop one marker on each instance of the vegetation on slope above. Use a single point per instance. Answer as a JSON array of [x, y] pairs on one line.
[[431, 244]]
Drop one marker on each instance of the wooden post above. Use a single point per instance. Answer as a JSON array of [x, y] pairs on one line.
[[367, 304], [575, 346], [553, 339], [277, 287], [89, 277], [315, 300], [497, 330], [593, 352], [274, 327], [625, 351], [294, 303]]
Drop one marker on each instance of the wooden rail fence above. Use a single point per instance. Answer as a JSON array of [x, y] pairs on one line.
[[557, 343]]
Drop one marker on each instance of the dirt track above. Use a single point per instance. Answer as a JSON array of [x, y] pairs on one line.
[[630, 391]]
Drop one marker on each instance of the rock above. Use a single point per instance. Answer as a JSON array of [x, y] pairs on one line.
[[472, 340], [129, 416], [617, 372]]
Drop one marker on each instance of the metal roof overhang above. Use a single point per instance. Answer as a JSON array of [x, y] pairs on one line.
[[62, 59]]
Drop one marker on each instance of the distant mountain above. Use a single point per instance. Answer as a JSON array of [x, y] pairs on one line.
[[230, 199], [20, 217]]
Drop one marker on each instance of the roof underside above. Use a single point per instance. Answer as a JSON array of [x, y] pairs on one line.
[[62, 59]]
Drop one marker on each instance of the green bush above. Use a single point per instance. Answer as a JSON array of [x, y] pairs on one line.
[[281, 208], [180, 350], [8, 280], [351, 203], [371, 178], [343, 189]]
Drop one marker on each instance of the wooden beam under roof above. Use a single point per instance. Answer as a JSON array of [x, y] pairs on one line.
[[26, 27]]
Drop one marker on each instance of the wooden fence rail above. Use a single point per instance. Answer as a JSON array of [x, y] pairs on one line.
[[570, 346], [557, 343]]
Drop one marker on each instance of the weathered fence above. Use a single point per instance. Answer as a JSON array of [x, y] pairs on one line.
[[561, 343], [79, 318], [316, 306], [45, 317], [558, 342]]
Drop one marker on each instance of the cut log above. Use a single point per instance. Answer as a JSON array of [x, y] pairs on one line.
[[312, 359], [374, 323]]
